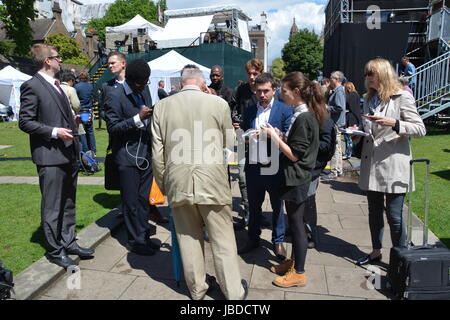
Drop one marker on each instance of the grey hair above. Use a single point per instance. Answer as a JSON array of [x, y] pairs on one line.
[[404, 80], [192, 74], [338, 75]]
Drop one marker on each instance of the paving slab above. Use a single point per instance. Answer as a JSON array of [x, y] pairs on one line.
[[106, 257], [95, 285], [353, 283], [308, 296], [145, 288]]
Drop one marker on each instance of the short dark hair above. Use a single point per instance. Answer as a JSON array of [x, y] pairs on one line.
[[266, 77], [218, 68], [137, 70], [66, 75]]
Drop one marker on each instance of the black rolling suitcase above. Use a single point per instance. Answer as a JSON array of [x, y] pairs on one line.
[[420, 272]]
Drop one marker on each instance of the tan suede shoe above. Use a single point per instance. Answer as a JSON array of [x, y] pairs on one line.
[[290, 279]]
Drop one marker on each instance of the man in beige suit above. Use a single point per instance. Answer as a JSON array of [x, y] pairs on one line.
[[190, 133]]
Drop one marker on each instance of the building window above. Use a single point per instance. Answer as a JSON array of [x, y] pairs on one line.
[[254, 43]]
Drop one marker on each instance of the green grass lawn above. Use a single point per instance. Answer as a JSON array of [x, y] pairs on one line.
[[21, 237], [10, 134], [436, 147]]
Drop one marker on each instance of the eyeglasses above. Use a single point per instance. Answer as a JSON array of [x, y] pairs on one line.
[[369, 73], [139, 85], [55, 57]]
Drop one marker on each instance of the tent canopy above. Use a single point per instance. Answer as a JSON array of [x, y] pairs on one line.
[[10, 81], [183, 32], [167, 68], [132, 26]]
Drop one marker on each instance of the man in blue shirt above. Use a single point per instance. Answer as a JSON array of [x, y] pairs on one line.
[[409, 71]]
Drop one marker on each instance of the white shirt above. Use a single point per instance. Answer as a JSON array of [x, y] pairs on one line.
[[137, 119], [51, 80], [263, 114]]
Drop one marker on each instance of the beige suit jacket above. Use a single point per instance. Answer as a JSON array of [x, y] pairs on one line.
[[385, 154], [72, 96], [190, 131]]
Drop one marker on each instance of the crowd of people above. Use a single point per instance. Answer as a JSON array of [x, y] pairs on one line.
[[285, 135]]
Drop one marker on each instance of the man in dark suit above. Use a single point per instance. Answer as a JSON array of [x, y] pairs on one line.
[[161, 91], [258, 181], [117, 64], [46, 116], [128, 110]]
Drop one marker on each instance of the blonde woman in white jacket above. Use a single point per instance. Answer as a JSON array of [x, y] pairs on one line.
[[390, 118]]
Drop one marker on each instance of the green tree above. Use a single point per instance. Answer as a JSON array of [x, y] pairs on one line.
[[16, 15], [278, 68], [122, 11], [68, 49], [304, 53]]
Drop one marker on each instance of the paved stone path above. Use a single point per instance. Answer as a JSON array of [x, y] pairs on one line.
[[344, 236]]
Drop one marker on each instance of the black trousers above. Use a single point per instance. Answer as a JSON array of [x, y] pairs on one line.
[[135, 190], [296, 213], [58, 190]]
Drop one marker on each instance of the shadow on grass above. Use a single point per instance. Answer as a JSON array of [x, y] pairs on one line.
[[107, 201], [444, 174], [446, 150]]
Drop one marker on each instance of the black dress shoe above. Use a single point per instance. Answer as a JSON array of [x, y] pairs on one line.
[[142, 250], [367, 259], [280, 251], [249, 246], [155, 246], [245, 286], [81, 252], [62, 261]]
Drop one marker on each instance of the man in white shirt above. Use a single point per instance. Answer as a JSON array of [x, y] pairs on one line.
[[45, 114], [267, 110]]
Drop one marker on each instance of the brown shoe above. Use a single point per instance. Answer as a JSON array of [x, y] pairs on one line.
[[290, 279], [283, 267], [280, 251]]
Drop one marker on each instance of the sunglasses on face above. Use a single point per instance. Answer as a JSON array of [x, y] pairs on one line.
[[55, 57], [369, 73]]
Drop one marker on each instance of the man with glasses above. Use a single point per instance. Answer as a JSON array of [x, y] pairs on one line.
[[336, 106], [128, 112], [45, 114]]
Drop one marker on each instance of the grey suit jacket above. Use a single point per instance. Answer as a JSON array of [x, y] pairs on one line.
[[42, 108], [190, 131]]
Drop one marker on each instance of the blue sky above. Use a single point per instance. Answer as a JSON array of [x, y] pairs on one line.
[[307, 13]]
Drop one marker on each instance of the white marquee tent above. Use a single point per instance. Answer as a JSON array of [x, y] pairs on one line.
[[10, 81], [167, 68], [132, 26]]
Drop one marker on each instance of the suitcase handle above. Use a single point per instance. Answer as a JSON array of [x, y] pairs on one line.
[[426, 201], [412, 161]]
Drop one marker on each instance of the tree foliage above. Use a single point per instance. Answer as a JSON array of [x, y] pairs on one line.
[[304, 53], [278, 66], [16, 15], [122, 11], [68, 49]]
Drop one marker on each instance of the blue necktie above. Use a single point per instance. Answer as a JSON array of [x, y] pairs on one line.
[[140, 102]]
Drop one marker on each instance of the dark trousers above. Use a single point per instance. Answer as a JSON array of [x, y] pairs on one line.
[[394, 212], [135, 190], [296, 213], [58, 190], [257, 186]]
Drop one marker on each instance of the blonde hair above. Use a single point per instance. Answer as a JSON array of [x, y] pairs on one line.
[[388, 79], [349, 87]]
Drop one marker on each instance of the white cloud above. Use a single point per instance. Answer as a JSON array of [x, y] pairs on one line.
[[307, 13]]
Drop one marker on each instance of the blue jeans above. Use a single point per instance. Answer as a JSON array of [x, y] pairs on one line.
[[394, 212], [89, 141], [257, 186], [348, 145]]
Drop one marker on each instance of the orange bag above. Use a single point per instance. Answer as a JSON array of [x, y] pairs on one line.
[[156, 196]]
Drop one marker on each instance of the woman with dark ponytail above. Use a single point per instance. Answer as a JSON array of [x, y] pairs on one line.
[[299, 152]]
